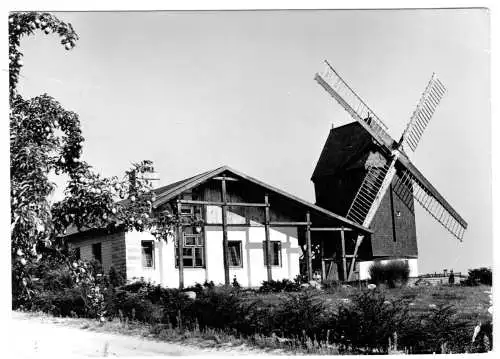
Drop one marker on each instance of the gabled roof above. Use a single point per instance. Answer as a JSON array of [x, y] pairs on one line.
[[343, 144], [170, 192]]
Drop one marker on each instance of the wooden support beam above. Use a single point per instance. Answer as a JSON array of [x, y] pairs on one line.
[[344, 262], [218, 203], [225, 246], [329, 229], [268, 239], [308, 247], [323, 264], [180, 247], [289, 224], [353, 262], [229, 225], [225, 178]]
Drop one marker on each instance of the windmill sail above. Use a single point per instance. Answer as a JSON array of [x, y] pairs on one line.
[[413, 184], [331, 81], [370, 187], [420, 118]]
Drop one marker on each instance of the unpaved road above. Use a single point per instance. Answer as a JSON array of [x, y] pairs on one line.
[[32, 336]]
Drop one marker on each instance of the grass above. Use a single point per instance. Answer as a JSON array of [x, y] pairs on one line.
[[469, 301], [471, 304]]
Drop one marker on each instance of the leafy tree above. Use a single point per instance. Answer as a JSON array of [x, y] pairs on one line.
[[45, 138]]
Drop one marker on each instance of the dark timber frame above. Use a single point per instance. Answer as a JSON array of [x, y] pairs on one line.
[[267, 226], [175, 195]]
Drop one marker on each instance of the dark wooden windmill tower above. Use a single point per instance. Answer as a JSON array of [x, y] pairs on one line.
[[364, 173]]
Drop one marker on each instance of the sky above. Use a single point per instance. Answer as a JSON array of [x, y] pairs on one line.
[[195, 90]]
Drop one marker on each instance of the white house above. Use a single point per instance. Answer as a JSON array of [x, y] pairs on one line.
[[241, 214]]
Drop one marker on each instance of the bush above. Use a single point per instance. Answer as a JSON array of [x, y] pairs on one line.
[[302, 315], [368, 323], [393, 273], [150, 303], [276, 286], [427, 333], [479, 276], [219, 307], [67, 302]]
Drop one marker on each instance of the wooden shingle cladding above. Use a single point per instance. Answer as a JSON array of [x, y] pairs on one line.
[[337, 178], [112, 248]]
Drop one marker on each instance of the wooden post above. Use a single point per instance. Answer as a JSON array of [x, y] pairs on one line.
[[308, 246], [323, 265], [353, 262], [180, 247], [268, 239], [344, 262], [225, 247]]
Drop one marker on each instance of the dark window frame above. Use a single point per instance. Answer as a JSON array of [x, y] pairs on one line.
[[239, 245], [280, 255], [143, 254], [197, 247], [97, 253]]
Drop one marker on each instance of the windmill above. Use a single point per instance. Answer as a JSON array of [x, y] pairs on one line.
[[379, 176]]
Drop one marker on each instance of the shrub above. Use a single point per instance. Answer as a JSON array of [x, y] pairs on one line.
[[276, 286], [479, 276], [64, 303], [150, 303], [391, 273], [428, 332], [115, 278], [369, 322], [219, 307], [302, 315]]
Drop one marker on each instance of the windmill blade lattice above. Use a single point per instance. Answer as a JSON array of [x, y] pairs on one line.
[[331, 81], [426, 107], [408, 186], [367, 193]]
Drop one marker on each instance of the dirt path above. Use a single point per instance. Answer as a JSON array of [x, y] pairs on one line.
[[39, 336]]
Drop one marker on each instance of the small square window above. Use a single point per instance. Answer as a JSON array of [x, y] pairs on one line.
[[234, 248], [275, 253], [147, 251]]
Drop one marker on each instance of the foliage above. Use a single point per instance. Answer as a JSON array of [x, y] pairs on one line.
[[391, 273], [284, 285], [369, 322], [302, 315], [46, 139], [427, 333], [479, 276]]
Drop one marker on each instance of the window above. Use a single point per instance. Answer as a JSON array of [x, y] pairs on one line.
[[97, 251], [147, 252], [190, 210], [234, 248], [187, 211], [193, 255], [275, 253]]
